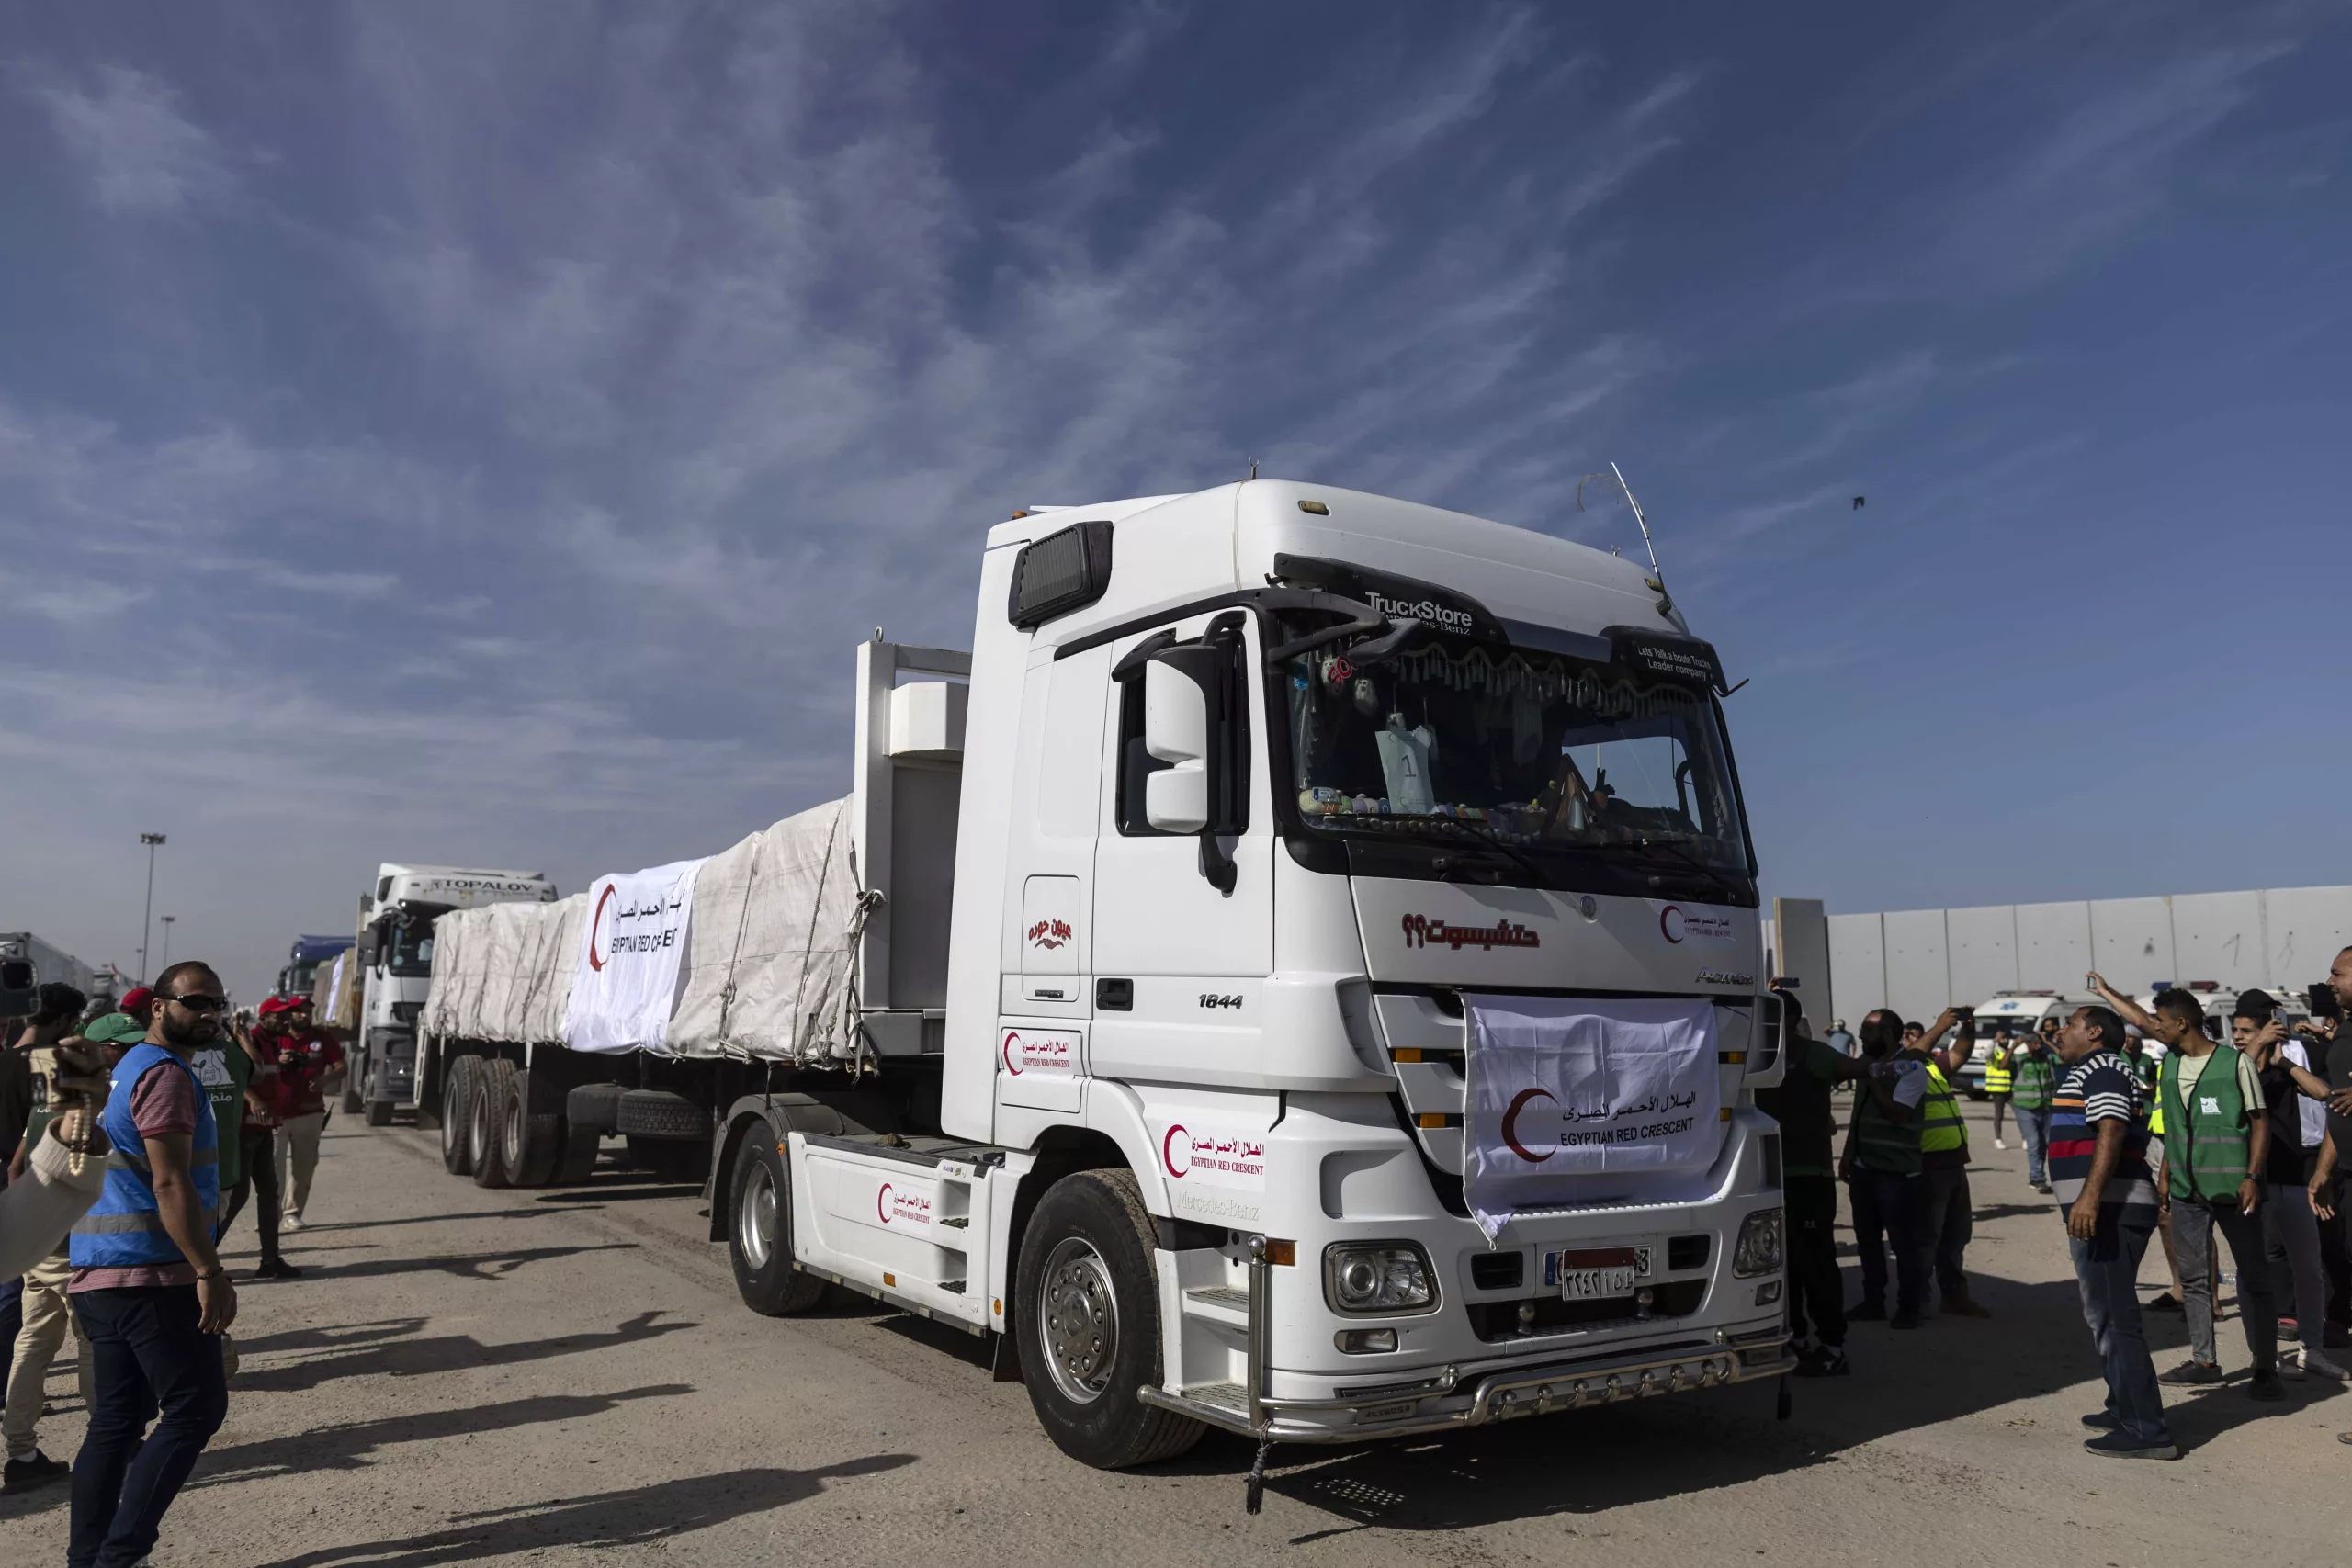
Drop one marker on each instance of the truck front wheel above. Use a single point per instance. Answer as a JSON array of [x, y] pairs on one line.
[[1089, 1306], [458, 1083], [759, 1234]]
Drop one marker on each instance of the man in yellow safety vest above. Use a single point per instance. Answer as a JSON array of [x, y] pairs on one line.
[[1947, 1217]]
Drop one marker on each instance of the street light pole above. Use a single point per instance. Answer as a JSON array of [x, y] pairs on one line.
[[166, 964], [147, 919]]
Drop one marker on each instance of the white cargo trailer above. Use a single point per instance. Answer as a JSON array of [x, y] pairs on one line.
[[1228, 988]]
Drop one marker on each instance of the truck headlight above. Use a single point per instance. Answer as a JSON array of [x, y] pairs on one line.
[[1759, 1251], [1369, 1278]]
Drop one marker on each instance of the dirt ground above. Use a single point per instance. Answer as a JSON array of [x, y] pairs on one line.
[[566, 1376]]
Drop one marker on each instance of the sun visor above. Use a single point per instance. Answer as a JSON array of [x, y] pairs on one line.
[[1438, 609], [1685, 660]]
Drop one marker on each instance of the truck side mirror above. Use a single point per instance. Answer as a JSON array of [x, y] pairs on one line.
[[1176, 730], [1195, 710]]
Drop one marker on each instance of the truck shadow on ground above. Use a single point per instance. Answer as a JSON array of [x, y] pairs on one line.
[[437, 1353], [317, 1229], [1593, 1460], [635, 1516], [352, 1445]]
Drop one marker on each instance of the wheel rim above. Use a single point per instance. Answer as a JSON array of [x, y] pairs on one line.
[[453, 1126], [513, 1128], [1077, 1320], [478, 1127], [755, 1218]]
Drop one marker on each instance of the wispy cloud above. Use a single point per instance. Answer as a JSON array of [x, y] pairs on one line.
[[141, 152]]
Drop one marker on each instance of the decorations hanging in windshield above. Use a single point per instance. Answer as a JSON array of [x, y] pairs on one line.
[[1519, 746]]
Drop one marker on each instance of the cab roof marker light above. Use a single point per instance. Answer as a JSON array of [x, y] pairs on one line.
[[1314, 507]]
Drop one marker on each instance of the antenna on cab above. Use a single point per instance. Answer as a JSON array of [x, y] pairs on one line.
[[1657, 578]]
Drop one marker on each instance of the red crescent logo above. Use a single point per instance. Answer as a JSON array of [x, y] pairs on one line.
[[1510, 1124], [1167, 1156], [596, 921], [1669, 922], [1010, 1066], [882, 1204]]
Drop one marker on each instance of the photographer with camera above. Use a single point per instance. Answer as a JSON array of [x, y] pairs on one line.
[[1808, 1126], [2295, 1103], [2326, 1186], [1948, 1211]]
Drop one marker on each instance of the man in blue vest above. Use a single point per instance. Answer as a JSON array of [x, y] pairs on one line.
[[147, 1286]]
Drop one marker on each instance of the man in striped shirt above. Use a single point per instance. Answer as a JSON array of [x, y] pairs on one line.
[[2099, 1166]]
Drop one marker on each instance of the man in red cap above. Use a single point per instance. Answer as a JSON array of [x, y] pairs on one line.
[[257, 1150], [307, 1056], [140, 1003]]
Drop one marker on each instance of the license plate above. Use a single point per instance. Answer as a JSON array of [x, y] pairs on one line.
[[1596, 1284]]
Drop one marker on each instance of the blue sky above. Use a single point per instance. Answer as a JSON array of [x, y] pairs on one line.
[[466, 433]]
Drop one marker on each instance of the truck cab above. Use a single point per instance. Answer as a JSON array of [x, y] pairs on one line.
[[1265, 790], [395, 951]]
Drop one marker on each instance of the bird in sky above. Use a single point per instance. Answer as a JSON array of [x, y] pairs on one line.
[[1858, 504]]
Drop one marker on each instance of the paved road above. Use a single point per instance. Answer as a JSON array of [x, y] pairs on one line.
[[566, 1376]]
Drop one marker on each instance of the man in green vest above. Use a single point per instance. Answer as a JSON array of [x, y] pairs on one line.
[[2034, 1072], [1880, 1165], [1808, 1125], [1999, 1079], [1947, 1210], [2216, 1139]]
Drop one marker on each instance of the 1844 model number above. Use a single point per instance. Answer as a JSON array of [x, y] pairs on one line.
[[1211, 1000]]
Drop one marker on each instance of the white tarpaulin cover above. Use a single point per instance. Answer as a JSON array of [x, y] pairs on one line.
[[624, 979], [503, 972], [769, 964], [1576, 1100], [771, 959]]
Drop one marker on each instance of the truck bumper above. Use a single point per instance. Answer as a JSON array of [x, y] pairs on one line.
[[1474, 1395]]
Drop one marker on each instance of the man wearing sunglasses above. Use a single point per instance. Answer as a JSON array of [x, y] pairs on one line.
[[147, 1286]]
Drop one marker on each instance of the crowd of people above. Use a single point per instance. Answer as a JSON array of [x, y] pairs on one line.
[[133, 1134], [2249, 1138]]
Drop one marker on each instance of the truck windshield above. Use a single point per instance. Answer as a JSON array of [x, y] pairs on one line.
[[1535, 752], [409, 950]]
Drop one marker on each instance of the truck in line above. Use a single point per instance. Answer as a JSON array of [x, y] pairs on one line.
[[27, 962], [394, 950], [299, 975], [1154, 968]]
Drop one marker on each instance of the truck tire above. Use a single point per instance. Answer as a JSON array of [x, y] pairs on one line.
[[378, 1112], [530, 1145], [579, 1149], [483, 1141], [1089, 1301], [759, 1233], [671, 1159], [658, 1113], [457, 1114]]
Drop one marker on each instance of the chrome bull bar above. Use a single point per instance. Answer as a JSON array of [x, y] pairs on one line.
[[1398, 1409]]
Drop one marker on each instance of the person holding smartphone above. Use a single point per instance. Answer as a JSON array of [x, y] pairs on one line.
[[2297, 1110]]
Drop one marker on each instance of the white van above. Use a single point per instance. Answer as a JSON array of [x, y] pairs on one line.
[[2022, 1011]]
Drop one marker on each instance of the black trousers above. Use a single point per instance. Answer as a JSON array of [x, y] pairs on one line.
[[258, 1146], [1816, 1294], [1947, 1222], [2336, 1257]]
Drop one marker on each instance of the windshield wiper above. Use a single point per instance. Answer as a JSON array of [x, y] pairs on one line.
[[1716, 876], [1479, 832]]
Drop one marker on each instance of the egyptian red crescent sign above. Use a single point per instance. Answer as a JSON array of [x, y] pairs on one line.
[[1510, 1124], [596, 925]]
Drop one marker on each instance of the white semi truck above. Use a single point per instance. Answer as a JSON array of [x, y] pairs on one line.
[[1189, 909], [395, 951]]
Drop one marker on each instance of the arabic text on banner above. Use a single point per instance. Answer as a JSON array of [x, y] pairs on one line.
[[624, 980], [1578, 1100]]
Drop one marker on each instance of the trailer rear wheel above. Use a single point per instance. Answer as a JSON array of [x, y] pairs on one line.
[[759, 1233], [530, 1145], [1089, 1303], [483, 1140], [579, 1162], [457, 1085]]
